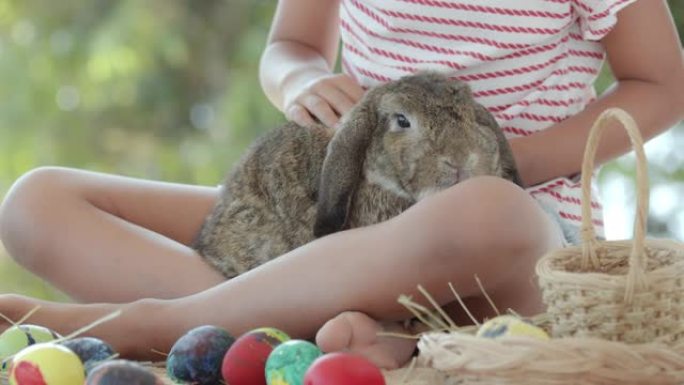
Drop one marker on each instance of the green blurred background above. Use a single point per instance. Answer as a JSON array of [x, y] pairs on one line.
[[168, 90]]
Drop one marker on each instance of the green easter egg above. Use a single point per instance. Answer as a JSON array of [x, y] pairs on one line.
[[16, 338], [288, 362]]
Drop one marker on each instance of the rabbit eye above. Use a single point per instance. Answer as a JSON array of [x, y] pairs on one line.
[[401, 120]]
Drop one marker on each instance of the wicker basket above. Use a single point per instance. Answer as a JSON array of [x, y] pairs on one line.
[[629, 291], [615, 309]]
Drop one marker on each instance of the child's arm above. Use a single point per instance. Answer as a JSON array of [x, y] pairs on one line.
[[645, 56], [297, 65]]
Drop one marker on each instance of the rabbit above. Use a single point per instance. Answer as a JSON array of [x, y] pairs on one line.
[[403, 141]]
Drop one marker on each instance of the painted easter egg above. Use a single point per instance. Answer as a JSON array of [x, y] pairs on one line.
[[46, 363], [245, 361], [196, 357], [508, 325], [288, 362], [343, 369], [91, 351], [122, 372], [18, 337]]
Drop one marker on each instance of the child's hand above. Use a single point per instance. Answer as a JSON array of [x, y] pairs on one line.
[[323, 99]]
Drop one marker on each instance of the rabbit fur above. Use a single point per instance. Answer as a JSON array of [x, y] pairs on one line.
[[403, 141]]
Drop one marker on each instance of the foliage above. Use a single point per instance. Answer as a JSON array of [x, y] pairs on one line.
[[156, 89]]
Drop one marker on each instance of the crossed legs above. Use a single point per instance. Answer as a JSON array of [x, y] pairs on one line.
[[106, 238], [346, 281]]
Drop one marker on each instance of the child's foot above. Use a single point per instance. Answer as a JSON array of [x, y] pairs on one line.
[[358, 333], [66, 318]]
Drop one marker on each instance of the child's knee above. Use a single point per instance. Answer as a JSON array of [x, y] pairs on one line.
[[32, 191], [26, 208], [491, 206], [495, 219]]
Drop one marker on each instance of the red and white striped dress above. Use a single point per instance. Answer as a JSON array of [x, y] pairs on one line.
[[532, 63]]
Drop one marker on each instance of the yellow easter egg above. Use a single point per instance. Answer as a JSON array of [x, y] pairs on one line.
[[508, 325], [46, 364]]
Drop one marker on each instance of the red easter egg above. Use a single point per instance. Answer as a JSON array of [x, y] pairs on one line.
[[343, 369], [245, 361]]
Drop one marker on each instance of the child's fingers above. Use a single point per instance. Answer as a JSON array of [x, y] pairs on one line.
[[337, 99], [320, 109], [340, 90], [324, 99], [350, 87], [298, 114]]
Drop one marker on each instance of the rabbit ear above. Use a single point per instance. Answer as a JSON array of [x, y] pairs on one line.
[[342, 166], [486, 119]]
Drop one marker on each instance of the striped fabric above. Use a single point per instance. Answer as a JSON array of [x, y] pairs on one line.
[[532, 63]]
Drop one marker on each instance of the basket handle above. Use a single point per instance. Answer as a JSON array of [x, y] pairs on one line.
[[637, 258]]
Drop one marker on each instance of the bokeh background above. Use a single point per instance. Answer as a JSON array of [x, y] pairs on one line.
[[168, 90]]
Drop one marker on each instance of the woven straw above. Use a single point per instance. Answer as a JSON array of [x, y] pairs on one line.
[[629, 291], [530, 361]]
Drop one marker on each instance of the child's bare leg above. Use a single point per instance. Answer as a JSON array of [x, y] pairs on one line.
[[107, 238], [484, 226], [137, 320]]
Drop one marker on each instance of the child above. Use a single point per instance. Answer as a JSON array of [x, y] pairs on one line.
[[106, 239]]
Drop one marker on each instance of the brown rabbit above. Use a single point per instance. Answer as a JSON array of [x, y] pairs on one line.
[[403, 141]]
